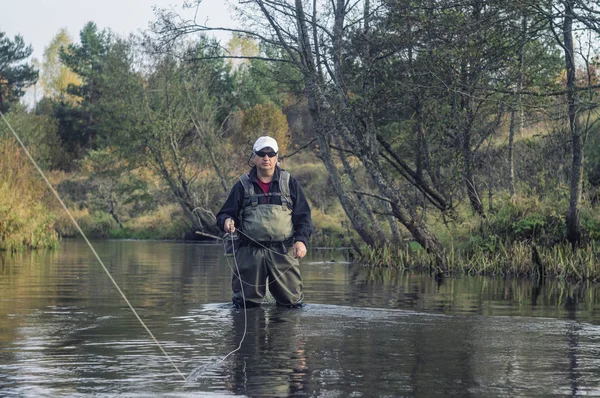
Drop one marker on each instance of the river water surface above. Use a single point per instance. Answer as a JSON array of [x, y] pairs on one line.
[[364, 332]]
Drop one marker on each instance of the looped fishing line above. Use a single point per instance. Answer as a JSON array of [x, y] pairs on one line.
[[199, 371], [268, 249], [257, 243], [245, 309], [90, 245]]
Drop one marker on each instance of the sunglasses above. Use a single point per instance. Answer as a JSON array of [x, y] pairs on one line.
[[262, 154]]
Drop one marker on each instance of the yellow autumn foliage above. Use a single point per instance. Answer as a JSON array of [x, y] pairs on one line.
[[55, 77], [263, 119], [25, 221]]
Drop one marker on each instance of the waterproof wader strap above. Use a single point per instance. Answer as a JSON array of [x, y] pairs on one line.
[[284, 186], [248, 190]]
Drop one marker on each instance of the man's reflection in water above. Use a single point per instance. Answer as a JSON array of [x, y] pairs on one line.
[[272, 359]]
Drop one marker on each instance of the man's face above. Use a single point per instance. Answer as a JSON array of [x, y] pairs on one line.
[[265, 163]]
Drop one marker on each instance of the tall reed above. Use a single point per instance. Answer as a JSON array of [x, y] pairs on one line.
[[513, 259]]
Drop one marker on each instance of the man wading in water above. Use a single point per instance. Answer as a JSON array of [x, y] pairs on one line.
[[268, 206]]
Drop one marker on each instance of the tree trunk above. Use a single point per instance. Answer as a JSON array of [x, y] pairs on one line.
[[362, 200], [396, 233], [410, 175], [112, 209], [516, 112], [351, 208], [573, 222], [472, 192], [363, 143]]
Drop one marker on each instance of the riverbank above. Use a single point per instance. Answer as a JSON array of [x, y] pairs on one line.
[[518, 259], [523, 235], [522, 238]]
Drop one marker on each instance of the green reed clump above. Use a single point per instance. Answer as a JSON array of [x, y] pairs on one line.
[[563, 262], [507, 260], [385, 256]]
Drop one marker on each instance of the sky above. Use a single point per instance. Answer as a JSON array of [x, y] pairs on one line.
[[38, 21]]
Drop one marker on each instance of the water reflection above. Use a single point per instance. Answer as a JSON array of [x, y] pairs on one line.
[[364, 332], [477, 295], [271, 360]]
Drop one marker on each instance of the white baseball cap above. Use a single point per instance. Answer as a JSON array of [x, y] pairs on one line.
[[264, 142]]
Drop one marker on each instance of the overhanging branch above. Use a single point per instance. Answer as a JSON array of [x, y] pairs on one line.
[[299, 149], [373, 196]]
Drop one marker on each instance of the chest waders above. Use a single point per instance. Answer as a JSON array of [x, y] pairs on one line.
[[267, 222], [270, 224]]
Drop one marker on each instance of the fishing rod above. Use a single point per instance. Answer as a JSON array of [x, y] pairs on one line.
[[116, 285], [114, 282]]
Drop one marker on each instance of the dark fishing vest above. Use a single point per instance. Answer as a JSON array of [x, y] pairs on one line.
[[267, 222]]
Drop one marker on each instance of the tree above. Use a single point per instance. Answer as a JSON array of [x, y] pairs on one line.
[[78, 124], [116, 186], [263, 119], [39, 134], [15, 74], [170, 120], [576, 14], [56, 77], [260, 81]]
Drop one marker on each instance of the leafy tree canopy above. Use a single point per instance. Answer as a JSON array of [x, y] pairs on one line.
[[264, 119], [55, 76], [15, 73]]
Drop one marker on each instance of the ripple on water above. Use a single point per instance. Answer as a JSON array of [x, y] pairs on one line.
[[365, 332]]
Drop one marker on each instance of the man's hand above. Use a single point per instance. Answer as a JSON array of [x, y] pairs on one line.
[[229, 226], [299, 249]]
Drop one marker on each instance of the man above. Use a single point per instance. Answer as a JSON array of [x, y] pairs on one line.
[[271, 213]]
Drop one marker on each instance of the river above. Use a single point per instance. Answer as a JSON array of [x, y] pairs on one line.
[[364, 332]]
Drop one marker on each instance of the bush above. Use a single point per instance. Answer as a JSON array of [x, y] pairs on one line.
[[331, 228], [25, 221], [527, 219], [263, 119], [166, 222]]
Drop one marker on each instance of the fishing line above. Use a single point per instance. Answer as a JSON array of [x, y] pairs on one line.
[[90, 245], [258, 244], [272, 251], [245, 309], [198, 372]]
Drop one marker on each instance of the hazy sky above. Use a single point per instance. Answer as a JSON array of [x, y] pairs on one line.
[[38, 21]]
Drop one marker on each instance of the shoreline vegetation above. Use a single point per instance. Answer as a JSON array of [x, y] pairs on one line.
[[436, 137], [522, 237]]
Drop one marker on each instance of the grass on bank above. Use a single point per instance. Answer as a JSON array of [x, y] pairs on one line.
[[524, 236], [516, 259], [500, 245], [165, 222]]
